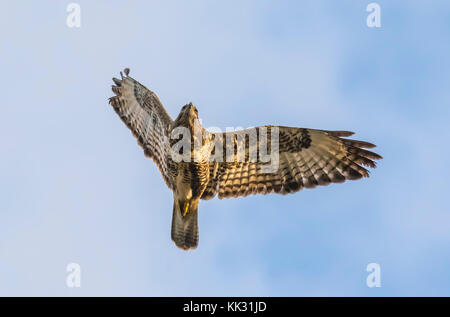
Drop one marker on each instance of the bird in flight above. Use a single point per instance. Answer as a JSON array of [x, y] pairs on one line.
[[198, 164]]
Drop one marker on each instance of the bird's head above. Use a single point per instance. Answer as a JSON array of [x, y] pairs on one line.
[[188, 115]]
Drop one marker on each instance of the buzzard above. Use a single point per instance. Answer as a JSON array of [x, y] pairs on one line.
[[231, 164]]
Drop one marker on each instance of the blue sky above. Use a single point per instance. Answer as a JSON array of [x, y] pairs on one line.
[[77, 188]]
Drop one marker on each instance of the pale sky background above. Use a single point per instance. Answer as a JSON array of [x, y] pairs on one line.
[[77, 188]]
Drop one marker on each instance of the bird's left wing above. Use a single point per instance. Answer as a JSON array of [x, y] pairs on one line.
[[306, 158], [142, 112]]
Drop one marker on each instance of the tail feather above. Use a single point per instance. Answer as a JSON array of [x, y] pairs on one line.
[[185, 228]]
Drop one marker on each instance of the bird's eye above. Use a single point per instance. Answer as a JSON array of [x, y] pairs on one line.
[[196, 111]]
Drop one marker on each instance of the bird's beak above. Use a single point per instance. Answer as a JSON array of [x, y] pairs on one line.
[[191, 110]]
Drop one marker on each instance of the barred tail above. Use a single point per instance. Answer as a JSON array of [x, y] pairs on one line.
[[185, 225]]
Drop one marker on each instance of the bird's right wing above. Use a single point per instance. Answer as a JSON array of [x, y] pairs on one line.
[[142, 112]]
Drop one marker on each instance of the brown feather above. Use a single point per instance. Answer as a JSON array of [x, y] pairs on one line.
[[308, 158]]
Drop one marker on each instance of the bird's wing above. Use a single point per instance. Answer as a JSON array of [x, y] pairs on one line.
[[307, 158], [142, 112]]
